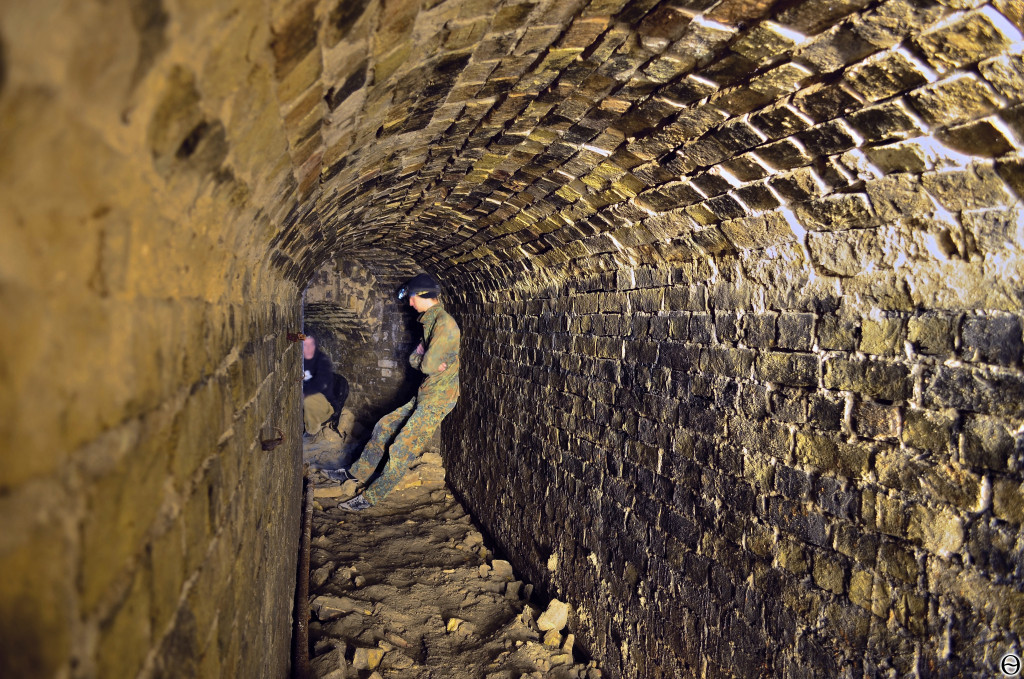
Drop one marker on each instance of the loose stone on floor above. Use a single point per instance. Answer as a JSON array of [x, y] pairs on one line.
[[408, 590]]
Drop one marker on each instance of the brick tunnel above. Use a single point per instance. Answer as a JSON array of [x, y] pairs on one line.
[[740, 284]]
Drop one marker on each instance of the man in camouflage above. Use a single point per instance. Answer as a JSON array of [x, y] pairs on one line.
[[437, 357]]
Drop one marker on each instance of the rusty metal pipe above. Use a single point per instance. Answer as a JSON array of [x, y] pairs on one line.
[[300, 637]]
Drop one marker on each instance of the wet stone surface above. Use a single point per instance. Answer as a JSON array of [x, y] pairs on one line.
[[409, 589]]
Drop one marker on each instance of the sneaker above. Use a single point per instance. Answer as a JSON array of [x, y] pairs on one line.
[[356, 504], [342, 475]]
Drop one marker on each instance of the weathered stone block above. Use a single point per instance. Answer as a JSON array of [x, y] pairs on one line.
[[836, 48], [958, 99], [824, 453], [1008, 500], [784, 155], [122, 509], [895, 158], [758, 232], [763, 42], [765, 437], [795, 331], [837, 333], [830, 138], [898, 562], [799, 185], [825, 412], [852, 541], [971, 389], [973, 37], [890, 22], [1006, 74], [887, 74], [759, 329], [888, 513], [782, 79], [939, 530], [793, 557], [994, 230], [792, 369], [168, 562], [829, 573], [928, 430], [810, 19], [988, 137], [888, 120], [825, 102], [861, 588], [836, 213], [875, 421], [725, 207], [966, 189], [986, 443], [759, 197], [806, 525], [911, 611], [932, 333], [836, 498], [883, 336], [792, 483], [727, 327], [992, 339], [890, 381], [899, 197]]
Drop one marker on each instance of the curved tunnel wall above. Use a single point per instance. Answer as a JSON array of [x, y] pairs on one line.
[[746, 272]]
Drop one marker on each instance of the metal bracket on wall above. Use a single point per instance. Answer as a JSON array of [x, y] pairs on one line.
[[296, 336], [270, 444]]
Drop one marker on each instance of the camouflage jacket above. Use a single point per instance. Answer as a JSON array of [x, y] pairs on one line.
[[441, 337]]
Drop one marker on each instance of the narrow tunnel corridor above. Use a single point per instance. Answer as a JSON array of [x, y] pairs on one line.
[[740, 289]]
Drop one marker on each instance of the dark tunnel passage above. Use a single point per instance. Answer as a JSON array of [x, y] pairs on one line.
[[352, 310], [739, 282]]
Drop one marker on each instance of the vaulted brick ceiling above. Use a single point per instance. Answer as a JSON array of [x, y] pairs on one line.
[[487, 139]]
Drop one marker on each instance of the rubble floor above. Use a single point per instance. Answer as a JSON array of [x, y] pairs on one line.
[[408, 589]]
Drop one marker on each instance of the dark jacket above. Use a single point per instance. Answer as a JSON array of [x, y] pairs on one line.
[[321, 380]]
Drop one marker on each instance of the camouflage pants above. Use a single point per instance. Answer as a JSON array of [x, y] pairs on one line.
[[415, 424]]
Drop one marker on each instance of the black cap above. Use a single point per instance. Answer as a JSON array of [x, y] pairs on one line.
[[422, 285]]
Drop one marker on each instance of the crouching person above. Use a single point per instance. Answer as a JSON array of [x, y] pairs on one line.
[[317, 386]]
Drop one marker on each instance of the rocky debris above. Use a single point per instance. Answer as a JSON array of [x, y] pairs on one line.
[[330, 607], [555, 617], [338, 492], [501, 569], [408, 589], [367, 658]]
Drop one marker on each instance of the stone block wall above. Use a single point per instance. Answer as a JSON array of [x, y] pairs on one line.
[[165, 543], [744, 342], [143, 359], [728, 478]]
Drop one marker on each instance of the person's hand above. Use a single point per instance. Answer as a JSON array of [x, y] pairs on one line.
[[419, 349], [441, 368]]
